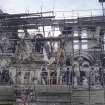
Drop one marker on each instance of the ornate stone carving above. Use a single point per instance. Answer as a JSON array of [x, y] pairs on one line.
[[24, 50]]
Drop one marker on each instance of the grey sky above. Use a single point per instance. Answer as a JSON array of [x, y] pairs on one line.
[[20, 6]]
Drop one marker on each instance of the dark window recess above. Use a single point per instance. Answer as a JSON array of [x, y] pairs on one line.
[[39, 47], [27, 75], [86, 65], [67, 30], [91, 28], [53, 76], [68, 62], [101, 32]]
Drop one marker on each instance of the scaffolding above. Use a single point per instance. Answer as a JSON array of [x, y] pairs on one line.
[[49, 85]]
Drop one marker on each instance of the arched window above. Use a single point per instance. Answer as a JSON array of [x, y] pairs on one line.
[[37, 45]]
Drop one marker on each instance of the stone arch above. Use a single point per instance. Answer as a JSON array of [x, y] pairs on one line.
[[86, 56]]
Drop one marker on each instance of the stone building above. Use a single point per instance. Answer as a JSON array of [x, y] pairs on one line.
[[74, 74]]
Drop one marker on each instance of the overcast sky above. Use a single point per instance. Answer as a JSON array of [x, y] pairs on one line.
[[20, 6]]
